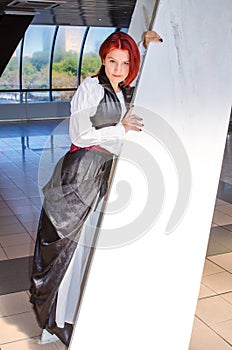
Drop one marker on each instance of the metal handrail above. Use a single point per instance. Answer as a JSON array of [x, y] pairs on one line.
[[23, 94], [41, 90]]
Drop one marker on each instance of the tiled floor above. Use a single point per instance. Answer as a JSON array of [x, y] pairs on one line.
[[26, 148], [23, 150]]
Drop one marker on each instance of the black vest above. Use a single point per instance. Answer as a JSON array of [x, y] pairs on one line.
[[109, 109]]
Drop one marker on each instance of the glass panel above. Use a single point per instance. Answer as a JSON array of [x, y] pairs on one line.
[[91, 61], [10, 79], [36, 60], [66, 54]]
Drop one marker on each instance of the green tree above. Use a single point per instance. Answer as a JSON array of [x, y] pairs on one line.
[[28, 67], [33, 78], [60, 55], [39, 60], [67, 66], [12, 65], [61, 80], [9, 78], [90, 64]]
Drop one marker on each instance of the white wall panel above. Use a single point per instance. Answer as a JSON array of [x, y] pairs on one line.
[[145, 277]]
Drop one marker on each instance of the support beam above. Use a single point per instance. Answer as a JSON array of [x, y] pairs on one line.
[[145, 278], [12, 29]]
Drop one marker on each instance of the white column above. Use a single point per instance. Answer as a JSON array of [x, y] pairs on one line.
[[145, 277]]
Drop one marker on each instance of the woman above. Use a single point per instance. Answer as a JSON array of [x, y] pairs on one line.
[[98, 124]]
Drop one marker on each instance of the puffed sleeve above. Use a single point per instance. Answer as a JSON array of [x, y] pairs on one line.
[[83, 106]]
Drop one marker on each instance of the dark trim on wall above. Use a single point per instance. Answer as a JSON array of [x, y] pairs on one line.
[[21, 68], [81, 55], [51, 61]]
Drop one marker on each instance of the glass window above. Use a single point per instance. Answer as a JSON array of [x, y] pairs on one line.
[[10, 79], [91, 61], [36, 61], [65, 61]]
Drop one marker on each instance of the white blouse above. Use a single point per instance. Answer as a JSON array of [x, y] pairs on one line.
[[84, 105]]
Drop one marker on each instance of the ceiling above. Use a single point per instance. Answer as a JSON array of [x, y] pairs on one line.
[[100, 13]]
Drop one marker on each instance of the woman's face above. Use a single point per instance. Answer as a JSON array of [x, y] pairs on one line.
[[117, 66]]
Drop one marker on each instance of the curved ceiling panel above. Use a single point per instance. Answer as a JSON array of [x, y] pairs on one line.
[[100, 13]]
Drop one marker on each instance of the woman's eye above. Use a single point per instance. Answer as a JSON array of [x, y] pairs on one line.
[[126, 63]]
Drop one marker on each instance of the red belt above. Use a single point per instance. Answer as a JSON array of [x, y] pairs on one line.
[[74, 148]]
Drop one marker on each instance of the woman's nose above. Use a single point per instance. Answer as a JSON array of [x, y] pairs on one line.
[[118, 68]]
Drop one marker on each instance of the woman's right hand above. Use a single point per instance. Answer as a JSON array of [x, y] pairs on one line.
[[132, 121], [150, 36]]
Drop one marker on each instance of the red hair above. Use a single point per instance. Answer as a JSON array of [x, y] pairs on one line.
[[123, 41]]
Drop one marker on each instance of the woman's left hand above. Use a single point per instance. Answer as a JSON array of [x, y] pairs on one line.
[[150, 36], [132, 121]]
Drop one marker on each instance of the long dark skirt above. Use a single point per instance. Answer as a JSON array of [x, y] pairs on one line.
[[78, 179]]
